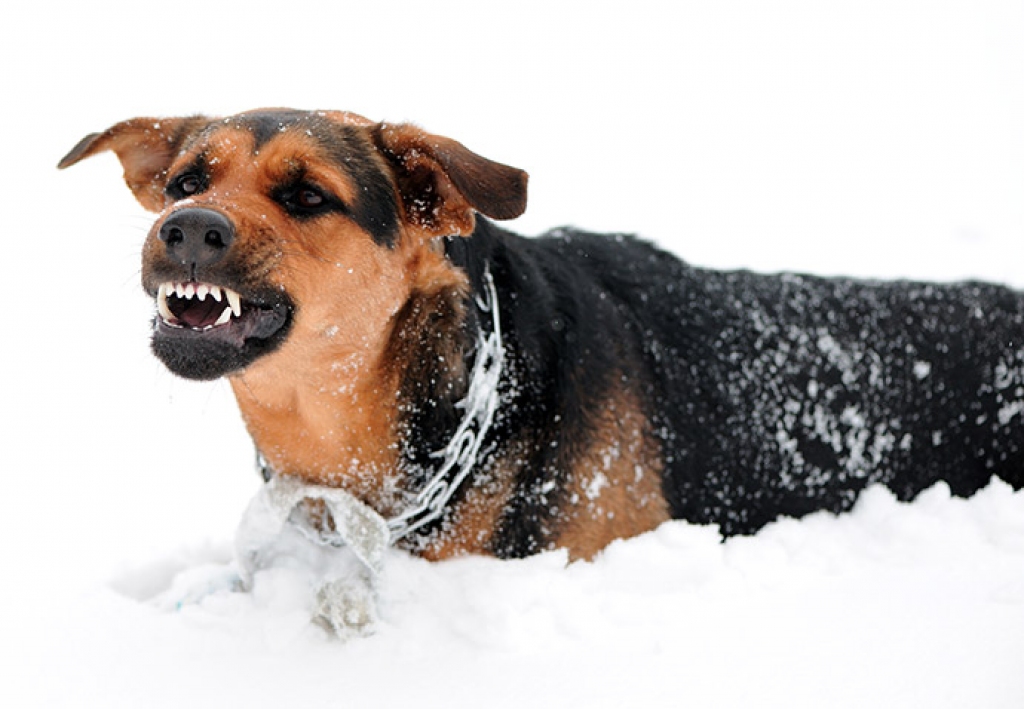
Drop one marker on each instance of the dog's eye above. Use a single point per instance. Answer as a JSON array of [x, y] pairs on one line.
[[185, 185], [306, 201], [308, 198], [188, 184]]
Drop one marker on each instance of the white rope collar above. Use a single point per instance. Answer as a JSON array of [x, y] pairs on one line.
[[359, 526]]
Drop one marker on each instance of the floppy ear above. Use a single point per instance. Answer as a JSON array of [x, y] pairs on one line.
[[145, 147], [441, 182]]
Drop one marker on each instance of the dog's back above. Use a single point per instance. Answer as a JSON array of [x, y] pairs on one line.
[[783, 394]]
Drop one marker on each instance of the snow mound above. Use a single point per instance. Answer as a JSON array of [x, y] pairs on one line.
[[916, 604]]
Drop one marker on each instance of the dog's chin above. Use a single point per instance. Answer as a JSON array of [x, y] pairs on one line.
[[194, 345]]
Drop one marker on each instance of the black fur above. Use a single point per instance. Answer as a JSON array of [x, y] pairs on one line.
[[267, 124], [376, 208], [768, 395], [265, 325]]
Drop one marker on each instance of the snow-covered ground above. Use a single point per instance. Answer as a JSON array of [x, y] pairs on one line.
[[878, 139]]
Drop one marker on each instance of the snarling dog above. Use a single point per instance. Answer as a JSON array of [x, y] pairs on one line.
[[344, 276]]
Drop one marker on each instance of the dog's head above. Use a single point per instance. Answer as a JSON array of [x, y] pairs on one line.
[[282, 228]]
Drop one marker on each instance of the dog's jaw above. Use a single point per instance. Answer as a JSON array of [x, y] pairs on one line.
[[204, 331]]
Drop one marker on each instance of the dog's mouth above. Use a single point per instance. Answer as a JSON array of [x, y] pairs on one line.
[[205, 330], [200, 306]]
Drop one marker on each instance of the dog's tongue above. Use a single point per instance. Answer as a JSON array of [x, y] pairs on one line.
[[200, 313]]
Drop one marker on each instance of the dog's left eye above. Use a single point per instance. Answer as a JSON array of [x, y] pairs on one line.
[[309, 198], [305, 200]]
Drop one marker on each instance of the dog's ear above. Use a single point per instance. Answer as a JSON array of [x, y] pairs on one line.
[[441, 182], [145, 146]]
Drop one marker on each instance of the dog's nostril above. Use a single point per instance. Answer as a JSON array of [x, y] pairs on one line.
[[174, 235], [214, 238]]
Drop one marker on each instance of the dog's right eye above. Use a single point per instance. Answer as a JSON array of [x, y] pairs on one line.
[[185, 186], [188, 184]]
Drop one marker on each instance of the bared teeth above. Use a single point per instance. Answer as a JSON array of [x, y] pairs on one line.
[[224, 318], [235, 301], [191, 290], [161, 303]]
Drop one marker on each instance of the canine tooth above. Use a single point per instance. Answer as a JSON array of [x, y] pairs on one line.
[[235, 301], [224, 318], [215, 292], [202, 290], [161, 303]]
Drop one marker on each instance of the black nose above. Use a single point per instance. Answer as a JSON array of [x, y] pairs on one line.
[[196, 237]]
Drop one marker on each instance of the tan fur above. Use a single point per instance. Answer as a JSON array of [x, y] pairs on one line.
[[323, 407], [615, 488]]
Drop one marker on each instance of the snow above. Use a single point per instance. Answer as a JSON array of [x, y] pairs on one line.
[[876, 139]]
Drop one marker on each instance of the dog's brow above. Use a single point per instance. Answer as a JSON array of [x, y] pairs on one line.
[[198, 163], [264, 126]]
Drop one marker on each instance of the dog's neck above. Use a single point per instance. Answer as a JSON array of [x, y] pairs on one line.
[[325, 426], [366, 420]]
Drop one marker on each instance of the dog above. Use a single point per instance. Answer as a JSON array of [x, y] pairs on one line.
[[503, 395]]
